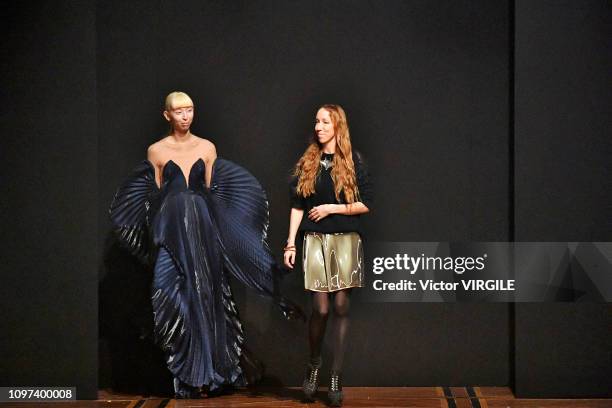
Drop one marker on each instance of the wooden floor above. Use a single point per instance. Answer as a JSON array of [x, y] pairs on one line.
[[419, 397]]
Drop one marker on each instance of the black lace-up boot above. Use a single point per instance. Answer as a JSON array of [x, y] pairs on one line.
[[335, 390], [311, 382]]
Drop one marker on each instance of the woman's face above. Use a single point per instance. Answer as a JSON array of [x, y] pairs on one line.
[[324, 127], [180, 117]]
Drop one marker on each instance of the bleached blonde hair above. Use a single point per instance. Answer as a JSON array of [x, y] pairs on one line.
[[177, 99]]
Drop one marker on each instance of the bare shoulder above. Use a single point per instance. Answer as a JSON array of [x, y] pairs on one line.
[[155, 147], [206, 144], [155, 152], [207, 149]]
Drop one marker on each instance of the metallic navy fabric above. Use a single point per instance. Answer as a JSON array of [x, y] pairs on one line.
[[194, 237]]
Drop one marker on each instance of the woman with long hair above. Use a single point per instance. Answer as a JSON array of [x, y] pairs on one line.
[[331, 186]]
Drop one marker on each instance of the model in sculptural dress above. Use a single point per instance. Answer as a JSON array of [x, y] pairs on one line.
[[197, 219], [331, 186]]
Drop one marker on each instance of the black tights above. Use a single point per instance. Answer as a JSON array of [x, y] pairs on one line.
[[318, 321]]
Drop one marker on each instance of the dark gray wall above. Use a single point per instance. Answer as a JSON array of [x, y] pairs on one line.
[[563, 190], [48, 293], [425, 89]]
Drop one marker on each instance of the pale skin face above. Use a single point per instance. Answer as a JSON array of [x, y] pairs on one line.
[[324, 129], [180, 118]]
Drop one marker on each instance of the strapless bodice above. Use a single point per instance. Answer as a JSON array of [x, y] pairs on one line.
[[174, 180]]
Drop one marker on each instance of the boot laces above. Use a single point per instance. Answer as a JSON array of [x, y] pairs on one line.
[[334, 383], [314, 373]]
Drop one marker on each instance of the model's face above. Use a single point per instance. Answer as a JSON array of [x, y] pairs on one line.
[[180, 117], [324, 127]]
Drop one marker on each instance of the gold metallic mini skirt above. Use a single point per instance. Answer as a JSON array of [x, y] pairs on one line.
[[332, 262]]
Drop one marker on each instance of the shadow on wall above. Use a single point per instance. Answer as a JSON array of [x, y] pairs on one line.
[[129, 361]]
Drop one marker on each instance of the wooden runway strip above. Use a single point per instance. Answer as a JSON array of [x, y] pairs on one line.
[[450, 400], [463, 403], [355, 397], [493, 392], [136, 403], [459, 392], [68, 404], [473, 397], [550, 403], [155, 403]]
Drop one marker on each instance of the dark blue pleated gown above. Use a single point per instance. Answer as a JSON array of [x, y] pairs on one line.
[[194, 237]]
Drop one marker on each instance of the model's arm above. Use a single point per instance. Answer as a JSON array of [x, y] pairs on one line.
[[209, 158], [295, 218], [153, 157]]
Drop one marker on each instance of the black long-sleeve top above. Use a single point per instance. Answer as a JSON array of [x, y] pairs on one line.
[[325, 194]]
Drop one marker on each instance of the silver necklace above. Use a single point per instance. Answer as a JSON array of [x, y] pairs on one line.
[[327, 163]]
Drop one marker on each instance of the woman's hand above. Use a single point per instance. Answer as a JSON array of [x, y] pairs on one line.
[[295, 218], [289, 257], [319, 212]]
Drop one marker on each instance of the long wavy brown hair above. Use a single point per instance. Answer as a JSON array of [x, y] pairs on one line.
[[343, 170]]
